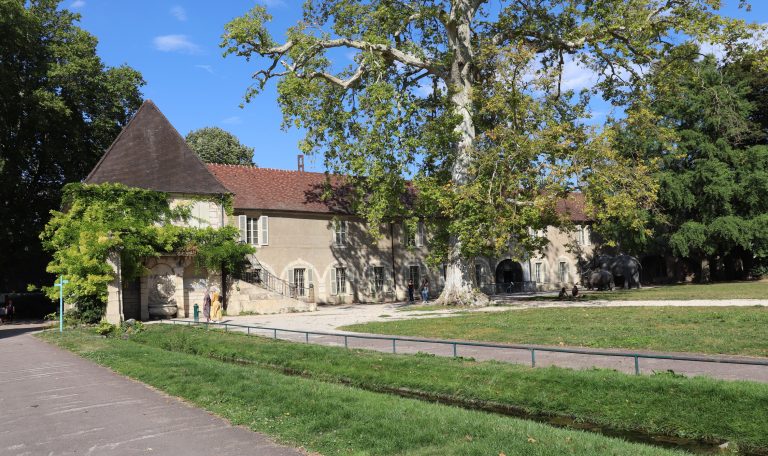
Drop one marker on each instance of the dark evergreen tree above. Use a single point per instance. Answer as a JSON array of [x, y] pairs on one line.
[[713, 184], [60, 108]]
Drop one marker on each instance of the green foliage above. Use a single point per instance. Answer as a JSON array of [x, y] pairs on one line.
[[105, 329], [215, 145], [100, 220], [462, 104], [713, 182], [60, 108]]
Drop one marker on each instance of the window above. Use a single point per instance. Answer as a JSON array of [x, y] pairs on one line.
[[298, 281], [253, 230], [538, 272], [413, 275], [582, 235], [339, 281], [563, 271], [340, 232], [249, 232], [378, 279], [478, 274], [415, 239]]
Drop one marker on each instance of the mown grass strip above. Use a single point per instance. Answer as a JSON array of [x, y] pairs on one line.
[[334, 419], [680, 292], [714, 330], [698, 408]]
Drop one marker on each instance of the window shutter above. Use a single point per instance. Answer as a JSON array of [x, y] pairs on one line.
[[334, 289], [420, 235], [242, 224], [292, 276], [370, 277], [213, 215], [264, 230], [310, 277]]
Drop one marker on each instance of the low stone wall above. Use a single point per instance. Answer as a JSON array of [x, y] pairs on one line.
[[244, 297]]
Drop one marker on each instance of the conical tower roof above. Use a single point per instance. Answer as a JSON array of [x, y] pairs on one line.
[[149, 153]]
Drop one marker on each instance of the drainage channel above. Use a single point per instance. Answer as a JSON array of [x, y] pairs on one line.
[[695, 446]]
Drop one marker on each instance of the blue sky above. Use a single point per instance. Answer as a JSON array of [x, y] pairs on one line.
[[175, 45]]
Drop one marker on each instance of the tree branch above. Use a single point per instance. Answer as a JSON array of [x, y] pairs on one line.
[[352, 81], [382, 49]]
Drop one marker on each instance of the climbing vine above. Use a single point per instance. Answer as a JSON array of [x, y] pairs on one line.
[[99, 220]]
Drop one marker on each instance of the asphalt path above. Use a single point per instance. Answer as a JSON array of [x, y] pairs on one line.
[[55, 403]]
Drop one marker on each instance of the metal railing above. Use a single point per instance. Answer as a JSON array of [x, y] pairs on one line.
[[271, 282], [456, 344]]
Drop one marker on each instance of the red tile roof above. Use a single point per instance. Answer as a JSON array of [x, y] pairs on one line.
[[300, 191], [574, 206], [276, 189]]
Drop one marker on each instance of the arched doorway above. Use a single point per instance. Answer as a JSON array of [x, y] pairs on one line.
[[509, 277]]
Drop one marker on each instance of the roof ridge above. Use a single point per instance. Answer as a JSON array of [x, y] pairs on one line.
[[263, 168]]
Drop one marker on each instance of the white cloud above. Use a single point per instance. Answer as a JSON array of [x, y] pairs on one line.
[[207, 68], [576, 76], [175, 43], [718, 50], [179, 13], [77, 4], [234, 120]]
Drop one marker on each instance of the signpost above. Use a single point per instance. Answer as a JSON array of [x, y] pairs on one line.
[[60, 284]]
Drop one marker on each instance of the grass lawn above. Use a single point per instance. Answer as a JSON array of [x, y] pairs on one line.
[[697, 408], [717, 330], [326, 417], [731, 290]]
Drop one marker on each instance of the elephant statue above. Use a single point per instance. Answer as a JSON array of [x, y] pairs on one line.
[[625, 266], [600, 280]]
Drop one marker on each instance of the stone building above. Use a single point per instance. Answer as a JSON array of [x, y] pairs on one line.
[[305, 241], [309, 250]]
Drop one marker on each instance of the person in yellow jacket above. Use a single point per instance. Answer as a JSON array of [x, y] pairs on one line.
[[215, 307]]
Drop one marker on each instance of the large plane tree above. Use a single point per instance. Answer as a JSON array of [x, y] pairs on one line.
[[465, 103]]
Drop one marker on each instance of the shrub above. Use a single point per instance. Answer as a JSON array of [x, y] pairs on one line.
[[105, 329]]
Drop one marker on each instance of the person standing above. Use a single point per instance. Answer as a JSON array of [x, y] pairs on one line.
[[425, 290], [207, 306], [9, 310], [410, 292], [216, 314]]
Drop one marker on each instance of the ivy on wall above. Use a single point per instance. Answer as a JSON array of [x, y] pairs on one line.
[[97, 220]]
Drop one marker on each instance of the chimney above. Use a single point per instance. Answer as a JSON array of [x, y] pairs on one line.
[[301, 163]]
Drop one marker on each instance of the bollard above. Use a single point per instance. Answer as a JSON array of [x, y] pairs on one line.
[[197, 313]]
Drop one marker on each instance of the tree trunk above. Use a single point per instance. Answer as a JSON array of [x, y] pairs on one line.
[[460, 287]]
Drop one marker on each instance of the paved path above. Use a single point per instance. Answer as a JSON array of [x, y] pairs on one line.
[[55, 403], [329, 318]]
